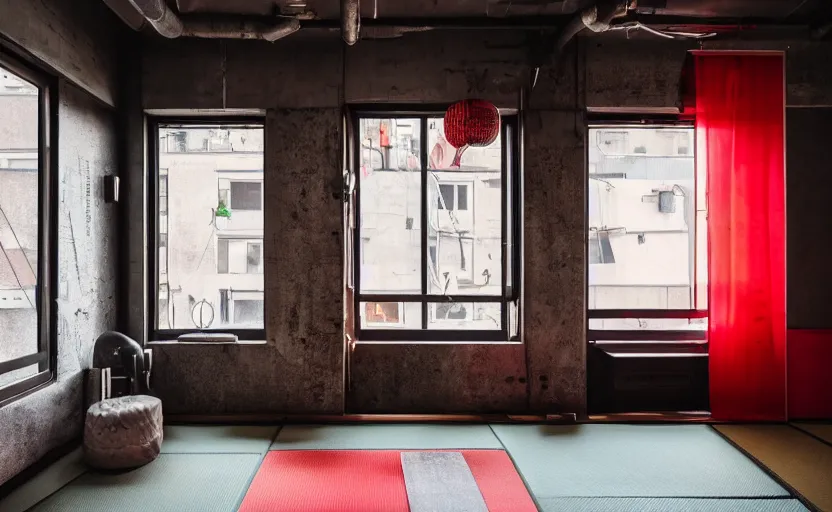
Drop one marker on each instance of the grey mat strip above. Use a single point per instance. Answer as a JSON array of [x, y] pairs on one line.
[[171, 483], [386, 437], [48, 481], [669, 505], [218, 439], [440, 481], [633, 460]]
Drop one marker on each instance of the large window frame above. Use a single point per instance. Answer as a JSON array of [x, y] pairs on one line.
[[46, 355], [650, 340], [156, 333], [511, 222]]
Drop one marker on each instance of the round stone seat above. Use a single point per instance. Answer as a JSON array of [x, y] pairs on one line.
[[123, 432]]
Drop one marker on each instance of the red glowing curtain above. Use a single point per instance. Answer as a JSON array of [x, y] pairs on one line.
[[740, 142]]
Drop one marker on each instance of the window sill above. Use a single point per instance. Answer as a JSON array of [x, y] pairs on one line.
[[168, 343], [448, 342]]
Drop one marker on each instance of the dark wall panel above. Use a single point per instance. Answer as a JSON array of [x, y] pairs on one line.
[[808, 182], [437, 379]]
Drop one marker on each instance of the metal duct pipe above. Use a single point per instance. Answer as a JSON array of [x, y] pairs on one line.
[[160, 16], [350, 21], [222, 29], [596, 18], [168, 24]]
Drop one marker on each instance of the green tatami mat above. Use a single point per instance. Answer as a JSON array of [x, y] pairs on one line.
[[385, 437], [801, 461], [632, 461], [669, 505], [819, 430], [217, 439], [56, 475], [171, 483]]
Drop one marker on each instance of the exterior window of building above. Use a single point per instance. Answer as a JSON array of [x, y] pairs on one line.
[[27, 351], [209, 229], [239, 256], [436, 244], [246, 195], [647, 239]]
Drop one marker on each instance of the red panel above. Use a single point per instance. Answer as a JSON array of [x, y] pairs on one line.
[[328, 481], [502, 488], [810, 374]]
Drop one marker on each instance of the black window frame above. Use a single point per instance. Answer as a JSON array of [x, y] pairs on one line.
[[511, 175], [649, 338], [155, 333], [45, 289]]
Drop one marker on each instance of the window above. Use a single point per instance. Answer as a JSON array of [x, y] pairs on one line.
[[239, 256], [453, 197], [647, 233], [209, 228], [436, 244], [27, 351], [246, 195]]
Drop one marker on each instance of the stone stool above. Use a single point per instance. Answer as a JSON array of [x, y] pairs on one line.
[[123, 432]]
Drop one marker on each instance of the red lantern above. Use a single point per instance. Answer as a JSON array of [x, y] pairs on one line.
[[472, 123]]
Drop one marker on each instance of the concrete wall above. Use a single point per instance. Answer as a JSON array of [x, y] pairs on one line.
[[33, 425], [300, 370], [76, 39]]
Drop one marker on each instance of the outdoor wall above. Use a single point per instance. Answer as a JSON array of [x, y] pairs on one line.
[[71, 36], [298, 372]]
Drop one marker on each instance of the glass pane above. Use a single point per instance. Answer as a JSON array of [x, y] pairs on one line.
[[214, 187], [390, 199], [642, 218], [255, 258], [19, 209], [246, 195], [391, 315], [465, 214], [649, 324], [473, 316], [248, 313], [17, 375]]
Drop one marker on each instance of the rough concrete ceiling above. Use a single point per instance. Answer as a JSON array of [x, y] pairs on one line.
[[330, 9], [773, 9]]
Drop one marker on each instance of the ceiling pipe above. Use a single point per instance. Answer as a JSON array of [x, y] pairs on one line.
[[222, 29], [596, 18], [350, 21], [168, 24], [160, 17]]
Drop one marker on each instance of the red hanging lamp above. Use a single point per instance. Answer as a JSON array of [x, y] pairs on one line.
[[471, 123]]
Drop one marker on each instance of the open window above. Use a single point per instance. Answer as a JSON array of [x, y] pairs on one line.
[[646, 270], [27, 244], [435, 245], [647, 243], [208, 228]]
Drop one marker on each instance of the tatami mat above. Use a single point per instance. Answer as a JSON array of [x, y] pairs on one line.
[[669, 505], [218, 439], [801, 461], [632, 461], [819, 430], [385, 437], [58, 474], [171, 483]]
